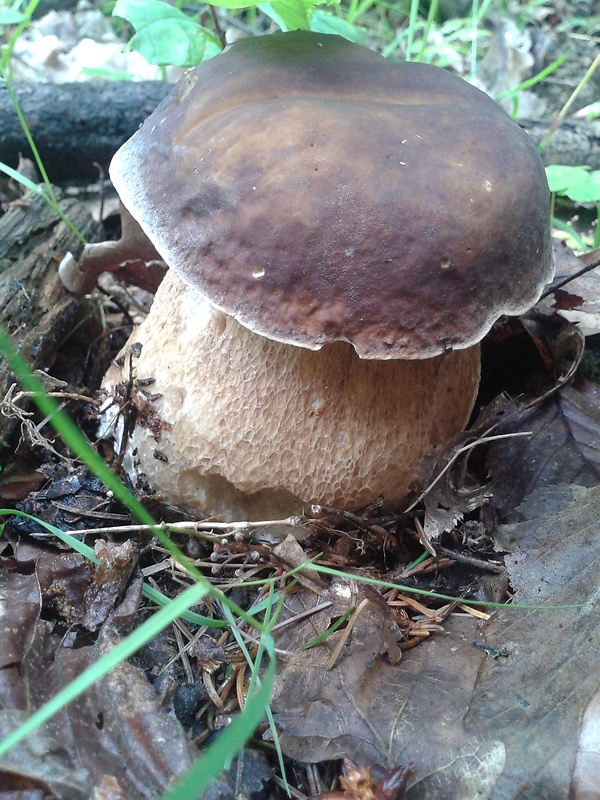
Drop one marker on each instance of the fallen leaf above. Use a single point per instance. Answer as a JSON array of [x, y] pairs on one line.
[[19, 481], [377, 712], [534, 699], [117, 728], [564, 447], [580, 303], [40, 764], [116, 563], [486, 709], [246, 778]]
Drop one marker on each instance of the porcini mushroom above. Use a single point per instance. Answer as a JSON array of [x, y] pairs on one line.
[[341, 232]]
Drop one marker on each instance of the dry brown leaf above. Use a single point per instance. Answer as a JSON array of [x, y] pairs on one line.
[[18, 481], [534, 699], [380, 713], [38, 766], [450, 490], [116, 563], [503, 727], [579, 302], [116, 728], [39, 763], [386, 715], [564, 448], [291, 555]]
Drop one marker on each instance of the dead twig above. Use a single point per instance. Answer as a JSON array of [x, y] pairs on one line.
[[363, 524], [83, 398], [464, 449], [555, 285], [200, 528], [479, 563]]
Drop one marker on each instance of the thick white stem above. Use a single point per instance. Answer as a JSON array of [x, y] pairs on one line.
[[246, 427]]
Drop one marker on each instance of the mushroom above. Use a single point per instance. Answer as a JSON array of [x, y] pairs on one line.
[[341, 232]]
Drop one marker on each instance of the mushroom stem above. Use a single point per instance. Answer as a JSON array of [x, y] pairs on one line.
[[245, 427]]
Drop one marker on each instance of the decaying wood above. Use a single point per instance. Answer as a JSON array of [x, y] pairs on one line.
[[75, 125], [574, 143], [35, 308]]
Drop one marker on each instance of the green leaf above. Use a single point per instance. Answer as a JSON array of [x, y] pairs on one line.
[[290, 15], [577, 183], [324, 22], [10, 16], [142, 13], [107, 74], [588, 192], [232, 4], [213, 45], [170, 41], [165, 35], [560, 178]]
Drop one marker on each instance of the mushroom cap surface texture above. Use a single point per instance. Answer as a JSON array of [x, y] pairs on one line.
[[317, 192], [244, 427]]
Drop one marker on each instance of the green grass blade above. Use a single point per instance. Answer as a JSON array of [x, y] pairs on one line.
[[50, 196], [77, 443], [431, 15], [412, 24], [9, 47], [564, 226], [16, 176], [474, 29], [71, 435], [331, 629], [539, 76], [152, 594], [310, 565], [67, 538]]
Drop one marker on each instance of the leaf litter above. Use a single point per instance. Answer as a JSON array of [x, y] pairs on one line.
[[487, 705], [117, 729], [516, 732]]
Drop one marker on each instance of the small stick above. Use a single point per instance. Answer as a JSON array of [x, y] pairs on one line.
[[490, 566], [563, 281], [460, 451]]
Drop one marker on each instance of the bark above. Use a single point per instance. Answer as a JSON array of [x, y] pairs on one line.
[[75, 125], [36, 310], [46, 6], [573, 143]]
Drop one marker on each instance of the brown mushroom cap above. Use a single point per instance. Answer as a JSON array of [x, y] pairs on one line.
[[317, 192]]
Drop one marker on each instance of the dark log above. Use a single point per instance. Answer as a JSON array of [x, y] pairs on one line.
[[75, 125], [46, 6], [35, 309], [574, 144]]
